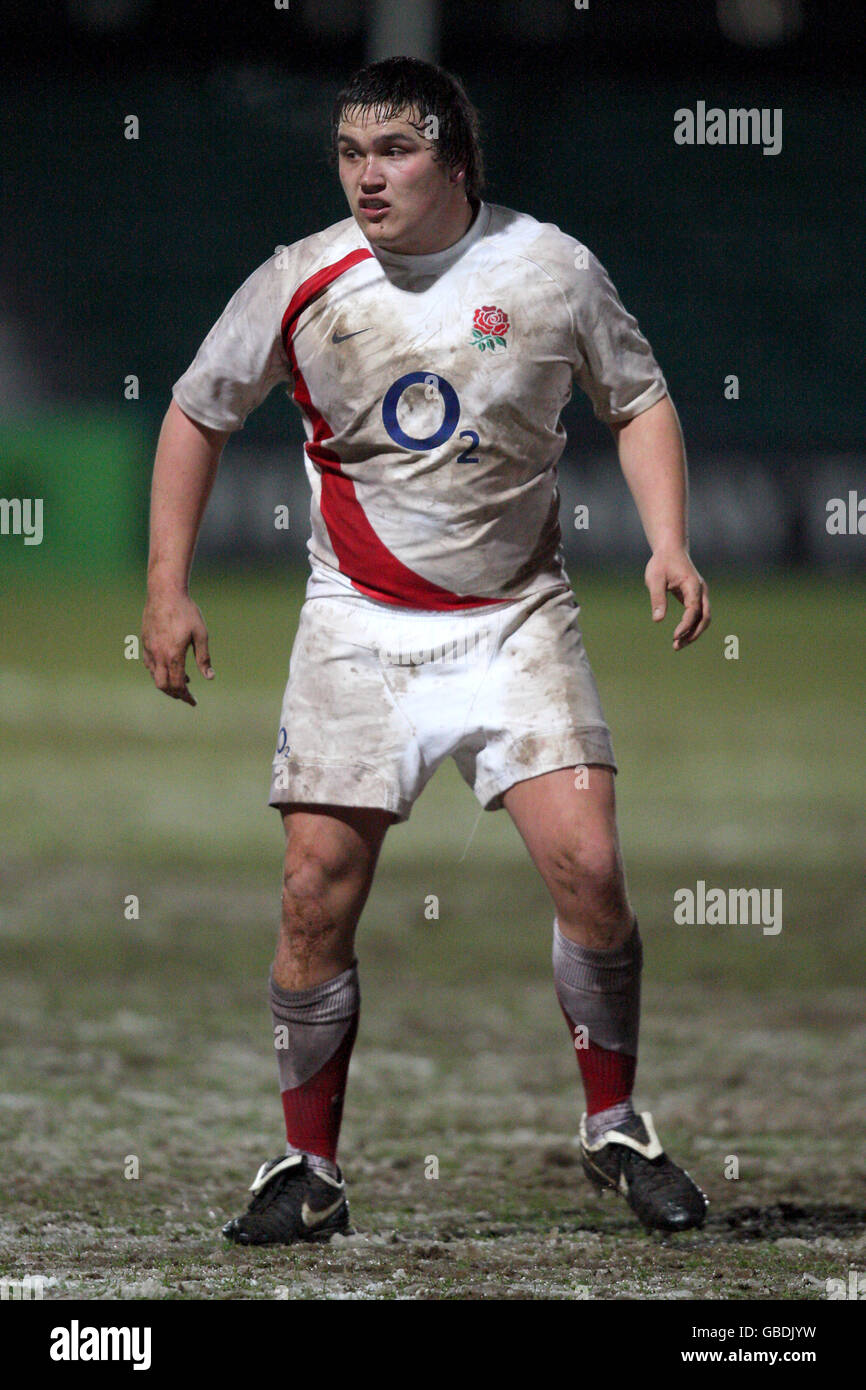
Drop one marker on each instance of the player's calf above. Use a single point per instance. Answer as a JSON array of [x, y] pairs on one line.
[[599, 993]]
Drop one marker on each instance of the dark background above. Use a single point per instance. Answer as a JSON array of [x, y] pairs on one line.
[[119, 254]]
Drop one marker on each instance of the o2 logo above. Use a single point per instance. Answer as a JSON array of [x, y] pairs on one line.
[[435, 387], [283, 741]]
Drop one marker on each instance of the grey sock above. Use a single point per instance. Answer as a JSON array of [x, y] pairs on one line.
[[611, 1118], [600, 989], [325, 1165], [309, 1027]]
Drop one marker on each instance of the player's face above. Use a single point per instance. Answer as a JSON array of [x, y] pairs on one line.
[[401, 197]]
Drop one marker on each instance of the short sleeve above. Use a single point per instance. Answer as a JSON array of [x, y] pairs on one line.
[[242, 358], [615, 365]]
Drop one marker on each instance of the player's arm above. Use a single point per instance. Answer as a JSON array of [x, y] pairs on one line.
[[184, 469], [653, 461]]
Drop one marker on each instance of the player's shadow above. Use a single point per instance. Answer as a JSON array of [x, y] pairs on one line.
[[803, 1220]]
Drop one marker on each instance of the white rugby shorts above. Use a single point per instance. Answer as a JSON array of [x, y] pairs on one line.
[[378, 697]]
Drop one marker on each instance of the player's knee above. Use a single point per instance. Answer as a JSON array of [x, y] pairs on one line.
[[306, 889], [308, 925], [314, 875], [312, 867], [590, 868]]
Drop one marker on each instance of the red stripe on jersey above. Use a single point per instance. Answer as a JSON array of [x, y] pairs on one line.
[[312, 288], [373, 569]]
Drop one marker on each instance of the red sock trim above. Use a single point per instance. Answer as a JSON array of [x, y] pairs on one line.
[[314, 1110], [608, 1077]]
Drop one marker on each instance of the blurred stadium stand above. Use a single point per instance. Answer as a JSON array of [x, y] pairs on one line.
[[119, 254]]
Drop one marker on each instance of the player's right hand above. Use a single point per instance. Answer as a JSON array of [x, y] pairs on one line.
[[172, 623]]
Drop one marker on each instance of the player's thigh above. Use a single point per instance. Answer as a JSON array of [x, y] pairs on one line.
[[567, 820], [331, 854]]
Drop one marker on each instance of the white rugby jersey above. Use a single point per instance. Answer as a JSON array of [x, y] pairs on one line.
[[431, 389]]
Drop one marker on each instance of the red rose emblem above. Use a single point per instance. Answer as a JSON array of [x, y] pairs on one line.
[[490, 321]]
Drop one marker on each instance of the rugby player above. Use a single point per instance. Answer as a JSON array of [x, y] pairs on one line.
[[431, 340]]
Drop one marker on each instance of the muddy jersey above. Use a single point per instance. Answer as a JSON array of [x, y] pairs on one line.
[[431, 389]]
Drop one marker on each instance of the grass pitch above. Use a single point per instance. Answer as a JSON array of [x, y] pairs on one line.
[[142, 1044]]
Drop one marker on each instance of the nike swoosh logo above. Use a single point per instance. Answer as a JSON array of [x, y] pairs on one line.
[[315, 1218], [341, 337]]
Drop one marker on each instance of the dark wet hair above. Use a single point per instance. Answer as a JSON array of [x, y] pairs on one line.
[[395, 85]]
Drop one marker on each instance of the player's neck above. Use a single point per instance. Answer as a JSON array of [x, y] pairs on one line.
[[451, 231], [458, 229]]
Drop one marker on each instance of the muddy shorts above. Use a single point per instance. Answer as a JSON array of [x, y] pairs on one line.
[[378, 697]]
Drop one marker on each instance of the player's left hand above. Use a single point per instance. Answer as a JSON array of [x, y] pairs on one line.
[[673, 572]]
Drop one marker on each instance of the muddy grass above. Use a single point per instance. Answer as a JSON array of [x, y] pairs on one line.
[[169, 1064], [147, 1037]]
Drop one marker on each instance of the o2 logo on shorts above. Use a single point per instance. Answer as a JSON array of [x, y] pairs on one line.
[[283, 742], [434, 386]]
